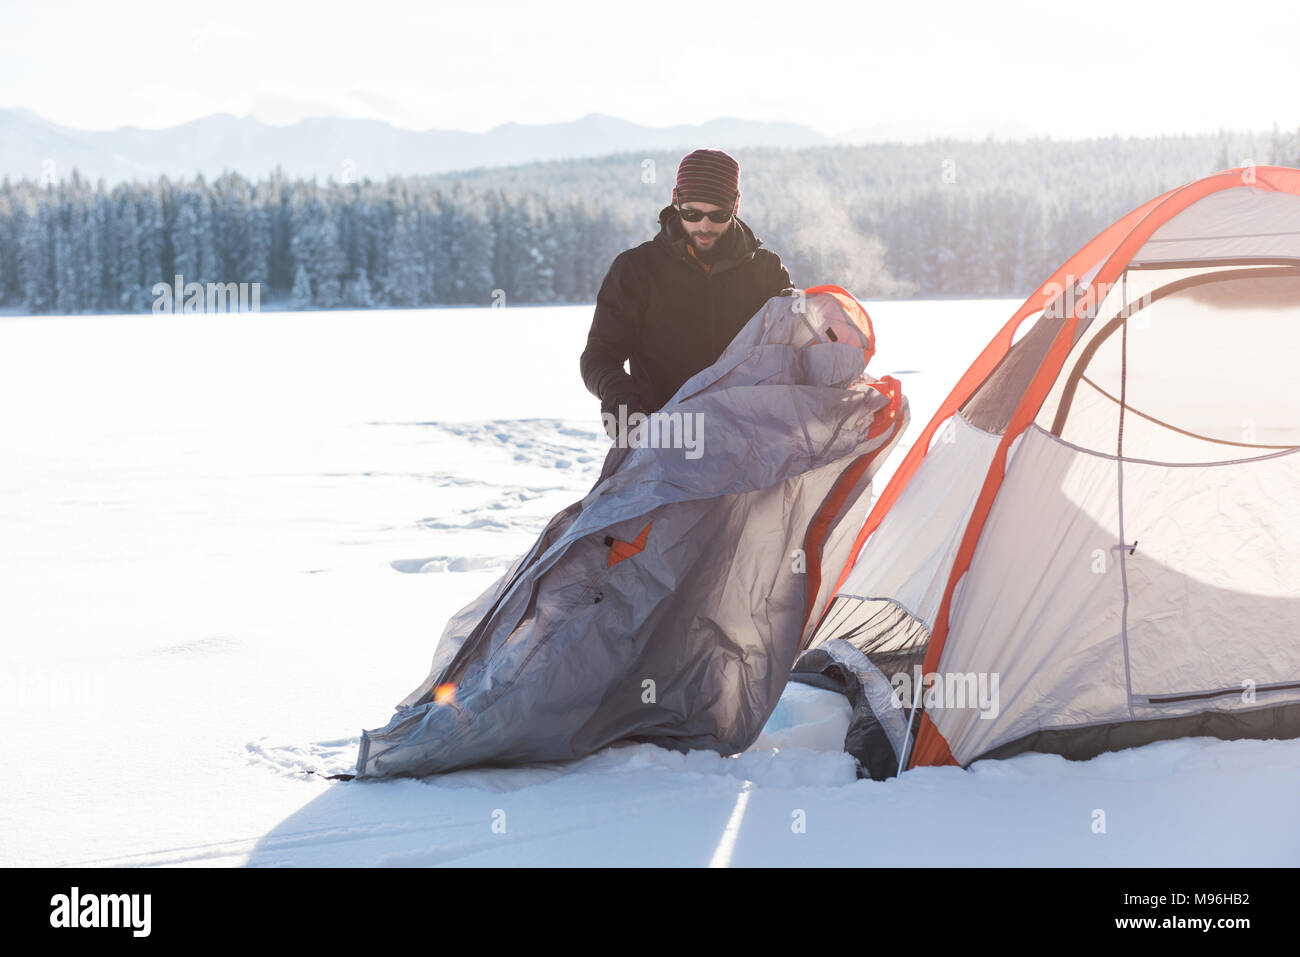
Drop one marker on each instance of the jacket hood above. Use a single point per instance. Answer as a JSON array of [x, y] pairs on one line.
[[675, 241]]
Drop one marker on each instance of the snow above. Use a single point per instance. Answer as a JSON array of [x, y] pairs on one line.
[[227, 543]]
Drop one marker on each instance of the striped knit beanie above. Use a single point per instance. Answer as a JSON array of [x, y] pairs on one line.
[[708, 176]]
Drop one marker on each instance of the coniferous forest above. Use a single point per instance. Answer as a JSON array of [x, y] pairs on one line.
[[890, 220]]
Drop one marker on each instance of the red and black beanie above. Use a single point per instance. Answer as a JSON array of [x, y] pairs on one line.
[[708, 176]]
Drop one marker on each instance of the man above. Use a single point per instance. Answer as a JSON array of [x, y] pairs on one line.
[[671, 305]]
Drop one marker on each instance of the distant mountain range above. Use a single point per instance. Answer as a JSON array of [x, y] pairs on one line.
[[32, 147], [339, 148]]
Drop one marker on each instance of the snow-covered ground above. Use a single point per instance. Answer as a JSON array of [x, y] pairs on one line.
[[228, 543]]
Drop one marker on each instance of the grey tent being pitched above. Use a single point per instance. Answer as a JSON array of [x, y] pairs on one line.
[[669, 605]]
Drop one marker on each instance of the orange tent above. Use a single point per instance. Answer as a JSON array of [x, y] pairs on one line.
[[1094, 543]]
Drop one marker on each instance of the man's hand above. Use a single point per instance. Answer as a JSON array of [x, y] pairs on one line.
[[609, 407]]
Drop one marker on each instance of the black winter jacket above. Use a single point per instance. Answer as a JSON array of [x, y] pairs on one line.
[[659, 308]]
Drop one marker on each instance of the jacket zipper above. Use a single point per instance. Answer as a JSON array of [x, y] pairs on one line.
[[713, 317]]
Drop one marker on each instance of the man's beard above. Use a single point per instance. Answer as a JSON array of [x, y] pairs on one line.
[[721, 245]]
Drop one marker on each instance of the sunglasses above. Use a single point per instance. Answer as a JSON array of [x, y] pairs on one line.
[[695, 215]]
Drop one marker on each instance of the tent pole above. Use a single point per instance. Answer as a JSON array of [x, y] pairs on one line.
[[907, 738]]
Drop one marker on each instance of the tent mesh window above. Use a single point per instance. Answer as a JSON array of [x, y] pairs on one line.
[[991, 406], [890, 638], [860, 649]]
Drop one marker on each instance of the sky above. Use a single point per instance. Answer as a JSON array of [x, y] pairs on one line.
[[1094, 69]]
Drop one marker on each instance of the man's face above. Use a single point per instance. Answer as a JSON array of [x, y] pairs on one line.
[[704, 235]]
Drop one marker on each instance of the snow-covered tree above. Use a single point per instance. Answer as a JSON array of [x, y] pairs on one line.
[[300, 298], [358, 294]]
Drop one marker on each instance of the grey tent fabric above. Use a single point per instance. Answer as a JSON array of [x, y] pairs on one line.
[[687, 640]]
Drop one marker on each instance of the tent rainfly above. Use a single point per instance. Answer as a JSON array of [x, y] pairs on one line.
[[668, 604]]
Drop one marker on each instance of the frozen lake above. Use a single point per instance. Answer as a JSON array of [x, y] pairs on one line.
[[212, 533]]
